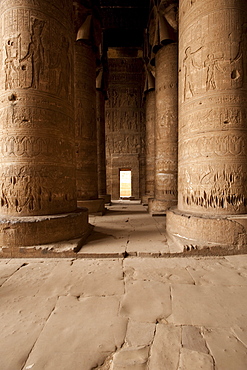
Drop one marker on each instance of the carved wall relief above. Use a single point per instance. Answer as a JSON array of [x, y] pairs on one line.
[[125, 130], [213, 96]]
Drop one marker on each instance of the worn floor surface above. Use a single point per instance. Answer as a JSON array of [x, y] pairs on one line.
[[124, 313]]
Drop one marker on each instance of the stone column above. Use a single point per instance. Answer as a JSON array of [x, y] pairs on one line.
[[85, 110], [165, 189], [212, 200], [38, 188], [100, 118], [149, 94]]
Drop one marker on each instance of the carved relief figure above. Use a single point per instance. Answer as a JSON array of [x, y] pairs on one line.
[[189, 64], [11, 63], [64, 68], [36, 52], [211, 64], [242, 52]]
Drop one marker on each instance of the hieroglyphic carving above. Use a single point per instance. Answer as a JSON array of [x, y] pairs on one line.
[[212, 148]]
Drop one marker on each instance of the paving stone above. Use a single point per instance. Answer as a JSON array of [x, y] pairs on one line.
[[239, 261], [146, 301], [130, 359], [80, 334], [192, 339], [156, 270], [216, 273], [241, 334], [28, 280], [192, 360], [166, 347], [209, 306], [228, 352], [21, 320], [139, 333], [8, 269], [85, 278]]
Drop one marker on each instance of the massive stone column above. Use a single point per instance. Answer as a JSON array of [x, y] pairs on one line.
[[212, 183], [149, 95], [165, 49], [101, 95], [85, 108], [38, 188]]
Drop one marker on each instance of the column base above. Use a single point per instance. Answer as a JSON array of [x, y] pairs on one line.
[[145, 199], [94, 206], [159, 207], [106, 197], [209, 235], [16, 232]]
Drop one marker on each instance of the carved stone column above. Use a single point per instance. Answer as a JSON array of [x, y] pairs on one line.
[[212, 200], [150, 143], [38, 188], [100, 118], [165, 189], [85, 110]]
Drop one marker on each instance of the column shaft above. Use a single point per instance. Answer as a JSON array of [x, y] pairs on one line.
[[212, 173], [37, 122]]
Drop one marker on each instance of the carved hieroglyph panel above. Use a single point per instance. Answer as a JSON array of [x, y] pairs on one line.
[[85, 122], [100, 119], [36, 116], [212, 99], [166, 130], [125, 126]]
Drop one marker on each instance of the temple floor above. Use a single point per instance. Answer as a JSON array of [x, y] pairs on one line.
[[123, 304]]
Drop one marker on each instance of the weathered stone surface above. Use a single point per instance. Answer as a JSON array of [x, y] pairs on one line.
[[195, 360], [209, 306], [90, 326], [130, 359], [139, 333], [85, 278], [146, 301], [8, 269], [22, 319], [154, 270], [166, 347], [193, 340], [228, 352]]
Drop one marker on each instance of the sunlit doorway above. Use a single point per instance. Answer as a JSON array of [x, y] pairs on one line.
[[125, 183]]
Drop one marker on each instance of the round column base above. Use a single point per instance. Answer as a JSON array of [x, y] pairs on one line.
[[94, 206], [38, 230], [158, 207], [215, 234]]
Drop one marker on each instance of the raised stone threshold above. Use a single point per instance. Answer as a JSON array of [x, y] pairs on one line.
[[201, 234]]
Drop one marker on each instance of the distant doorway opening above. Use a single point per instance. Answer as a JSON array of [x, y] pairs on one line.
[[125, 183]]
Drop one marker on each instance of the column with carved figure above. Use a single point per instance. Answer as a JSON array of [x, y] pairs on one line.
[[38, 188], [164, 49], [88, 38], [212, 172]]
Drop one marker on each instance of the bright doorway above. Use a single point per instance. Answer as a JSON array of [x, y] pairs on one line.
[[125, 183]]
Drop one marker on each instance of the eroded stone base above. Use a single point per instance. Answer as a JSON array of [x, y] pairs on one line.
[[159, 207], [219, 235], [18, 234], [94, 206]]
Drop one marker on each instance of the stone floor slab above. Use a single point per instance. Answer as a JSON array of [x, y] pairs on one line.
[[209, 306], [166, 348], [193, 360], [146, 301], [228, 352], [88, 330]]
